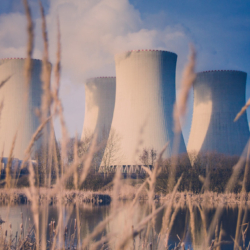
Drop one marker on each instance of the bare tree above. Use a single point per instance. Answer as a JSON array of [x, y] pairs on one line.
[[144, 157], [153, 155], [111, 151], [148, 156], [84, 143], [106, 155]]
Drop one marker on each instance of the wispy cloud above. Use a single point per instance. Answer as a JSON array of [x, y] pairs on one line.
[[92, 32]]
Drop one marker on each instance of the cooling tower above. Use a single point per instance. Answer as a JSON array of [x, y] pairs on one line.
[[145, 97], [99, 106], [218, 97], [19, 104]]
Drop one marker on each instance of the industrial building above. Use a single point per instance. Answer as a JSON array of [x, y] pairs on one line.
[[218, 97], [145, 97], [20, 102], [99, 106]]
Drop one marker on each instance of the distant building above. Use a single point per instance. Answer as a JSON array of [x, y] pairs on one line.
[[18, 117], [99, 106], [218, 97], [145, 97], [15, 164], [15, 167]]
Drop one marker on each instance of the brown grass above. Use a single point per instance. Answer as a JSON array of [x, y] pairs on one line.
[[30, 43], [242, 110], [144, 228]]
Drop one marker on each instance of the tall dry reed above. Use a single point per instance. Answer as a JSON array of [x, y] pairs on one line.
[[144, 227]]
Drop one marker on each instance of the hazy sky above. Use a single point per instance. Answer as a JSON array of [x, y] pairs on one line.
[[94, 30]]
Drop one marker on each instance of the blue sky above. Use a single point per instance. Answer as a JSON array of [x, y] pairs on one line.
[[94, 30]]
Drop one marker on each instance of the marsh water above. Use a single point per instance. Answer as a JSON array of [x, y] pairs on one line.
[[90, 216]]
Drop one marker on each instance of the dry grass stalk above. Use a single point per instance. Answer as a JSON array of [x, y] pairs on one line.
[[174, 161], [153, 175], [44, 223], [46, 69], [204, 221], [244, 232], [33, 195], [140, 139], [56, 164], [206, 183], [223, 242], [34, 138], [30, 44], [57, 108], [246, 173], [57, 70], [28, 69], [243, 195], [59, 186], [192, 220], [102, 241], [123, 243], [188, 77], [116, 190], [176, 210], [46, 96], [151, 193], [65, 136], [179, 111], [2, 83], [242, 110], [237, 169], [9, 164], [1, 108], [216, 234], [167, 214], [58, 229], [98, 229], [1, 157], [51, 148], [76, 188], [138, 192], [229, 187], [220, 237], [87, 163], [76, 159]]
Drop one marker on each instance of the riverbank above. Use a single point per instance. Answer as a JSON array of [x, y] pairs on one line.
[[208, 199], [19, 196]]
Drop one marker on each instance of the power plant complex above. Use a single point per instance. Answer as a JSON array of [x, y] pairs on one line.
[[137, 105], [218, 97], [18, 119]]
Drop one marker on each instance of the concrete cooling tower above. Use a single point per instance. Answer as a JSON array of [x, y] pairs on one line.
[[19, 103], [218, 97], [99, 106], [145, 97]]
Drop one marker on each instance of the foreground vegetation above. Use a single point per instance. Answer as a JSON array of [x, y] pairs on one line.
[[216, 168], [57, 172]]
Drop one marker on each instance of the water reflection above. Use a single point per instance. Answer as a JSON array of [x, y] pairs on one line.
[[123, 221]]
